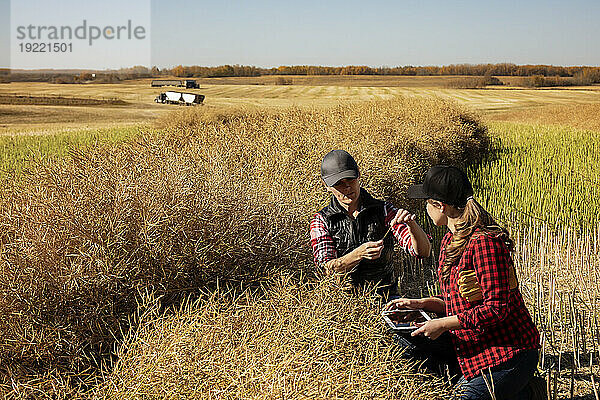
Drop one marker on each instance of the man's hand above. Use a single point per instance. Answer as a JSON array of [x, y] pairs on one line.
[[345, 264], [403, 216], [370, 250], [420, 241]]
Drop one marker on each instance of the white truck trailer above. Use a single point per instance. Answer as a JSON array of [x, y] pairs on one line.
[[188, 99]]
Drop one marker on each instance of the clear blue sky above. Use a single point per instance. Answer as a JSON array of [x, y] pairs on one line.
[[271, 33]]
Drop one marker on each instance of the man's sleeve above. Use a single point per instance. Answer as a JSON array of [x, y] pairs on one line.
[[400, 231], [321, 241], [492, 263]]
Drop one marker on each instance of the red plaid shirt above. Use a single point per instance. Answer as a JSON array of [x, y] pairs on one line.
[[497, 327], [324, 248]]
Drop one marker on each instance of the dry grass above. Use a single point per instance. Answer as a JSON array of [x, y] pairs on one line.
[[581, 116], [19, 120], [297, 341], [210, 197], [316, 341]]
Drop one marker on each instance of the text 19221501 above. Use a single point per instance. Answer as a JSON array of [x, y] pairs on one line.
[[46, 47]]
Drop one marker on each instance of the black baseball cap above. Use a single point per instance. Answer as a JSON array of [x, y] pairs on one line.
[[444, 183], [337, 165]]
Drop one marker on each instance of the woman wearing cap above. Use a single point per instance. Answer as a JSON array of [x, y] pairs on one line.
[[492, 331]]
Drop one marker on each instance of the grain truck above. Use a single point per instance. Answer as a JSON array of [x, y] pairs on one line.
[[187, 99]]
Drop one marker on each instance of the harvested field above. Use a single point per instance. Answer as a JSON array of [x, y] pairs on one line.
[[47, 120], [542, 182], [18, 152], [264, 92], [579, 116], [56, 101]]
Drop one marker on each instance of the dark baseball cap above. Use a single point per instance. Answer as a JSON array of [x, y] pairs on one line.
[[444, 183], [337, 165]]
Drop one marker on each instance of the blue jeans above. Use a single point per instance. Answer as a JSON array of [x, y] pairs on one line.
[[510, 380]]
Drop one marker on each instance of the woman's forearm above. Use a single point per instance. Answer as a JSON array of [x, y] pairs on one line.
[[450, 323], [434, 304]]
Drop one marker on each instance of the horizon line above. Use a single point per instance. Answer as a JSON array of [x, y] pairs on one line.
[[296, 65]]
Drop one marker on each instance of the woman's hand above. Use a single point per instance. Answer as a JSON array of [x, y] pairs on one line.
[[434, 328], [432, 304], [403, 304]]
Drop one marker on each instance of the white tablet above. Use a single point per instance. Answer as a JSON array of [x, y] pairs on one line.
[[404, 320]]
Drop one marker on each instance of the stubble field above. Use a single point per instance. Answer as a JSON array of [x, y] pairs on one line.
[[139, 108]]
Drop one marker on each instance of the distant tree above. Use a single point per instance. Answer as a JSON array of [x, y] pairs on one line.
[[178, 71], [85, 76]]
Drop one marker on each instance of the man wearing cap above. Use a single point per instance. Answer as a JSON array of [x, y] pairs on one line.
[[350, 235]]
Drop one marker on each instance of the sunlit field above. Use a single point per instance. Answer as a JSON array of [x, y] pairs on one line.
[[136, 98], [17, 152], [139, 258]]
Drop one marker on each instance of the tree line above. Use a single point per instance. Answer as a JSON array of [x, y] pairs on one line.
[[546, 74], [504, 69]]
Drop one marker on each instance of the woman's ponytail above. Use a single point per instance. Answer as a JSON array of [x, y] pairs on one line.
[[473, 216]]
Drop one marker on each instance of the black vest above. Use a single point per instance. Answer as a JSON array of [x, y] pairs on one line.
[[349, 233]]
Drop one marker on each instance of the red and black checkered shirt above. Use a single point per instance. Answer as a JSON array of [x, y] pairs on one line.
[[497, 327]]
